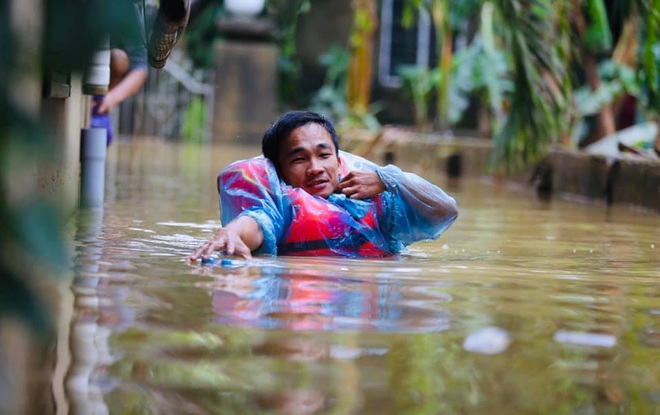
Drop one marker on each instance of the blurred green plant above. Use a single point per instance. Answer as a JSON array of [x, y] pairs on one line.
[[484, 71], [616, 80], [479, 70], [598, 36], [418, 84], [331, 98], [194, 121], [286, 14], [537, 104], [32, 244], [543, 52], [200, 35], [648, 11], [447, 16]]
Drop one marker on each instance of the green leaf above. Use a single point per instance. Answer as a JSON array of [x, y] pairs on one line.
[[18, 298], [39, 234], [599, 35], [411, 9], [536, 111]]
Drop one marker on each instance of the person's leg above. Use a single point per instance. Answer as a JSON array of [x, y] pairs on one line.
[[119, 66]]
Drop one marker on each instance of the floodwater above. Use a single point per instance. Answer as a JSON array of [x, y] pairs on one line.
[[522, 307]]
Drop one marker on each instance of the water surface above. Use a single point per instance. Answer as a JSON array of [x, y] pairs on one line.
[[523, 306]]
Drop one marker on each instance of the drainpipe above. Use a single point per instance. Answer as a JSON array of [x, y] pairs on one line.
[[97, 74], [93, 150], [94, 141]]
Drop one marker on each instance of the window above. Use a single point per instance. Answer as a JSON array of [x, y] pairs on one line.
[[400, 45]]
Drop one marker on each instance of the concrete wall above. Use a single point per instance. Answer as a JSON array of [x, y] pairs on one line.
[[64, 117], [628, 181], [425, 154], [245, 90], [59, 181]]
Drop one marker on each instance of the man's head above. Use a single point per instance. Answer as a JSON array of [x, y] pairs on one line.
[[304, 147]]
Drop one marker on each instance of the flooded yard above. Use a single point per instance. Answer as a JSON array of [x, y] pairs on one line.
[[522, 306]]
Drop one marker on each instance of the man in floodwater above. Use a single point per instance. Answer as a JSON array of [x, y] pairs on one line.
[[306, 197]]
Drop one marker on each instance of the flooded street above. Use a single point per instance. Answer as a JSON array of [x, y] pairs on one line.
[[522, 306]]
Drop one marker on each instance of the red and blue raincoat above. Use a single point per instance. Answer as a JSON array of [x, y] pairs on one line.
[[297, 223]]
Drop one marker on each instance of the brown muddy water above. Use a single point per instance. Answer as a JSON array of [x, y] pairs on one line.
[[521, 307]]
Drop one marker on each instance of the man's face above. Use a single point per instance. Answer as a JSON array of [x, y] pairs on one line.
[[308, 160]]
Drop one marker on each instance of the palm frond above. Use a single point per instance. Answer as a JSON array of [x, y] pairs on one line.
[[599, 35], [650, 53], [537, 102]]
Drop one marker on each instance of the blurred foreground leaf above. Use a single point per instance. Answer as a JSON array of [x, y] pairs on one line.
[[17, 298], [31, 238], [40, 235]]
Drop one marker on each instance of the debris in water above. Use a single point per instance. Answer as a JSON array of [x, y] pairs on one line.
[[585, 339], [224, 262], [487, 340]]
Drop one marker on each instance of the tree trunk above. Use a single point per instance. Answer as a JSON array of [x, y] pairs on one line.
[[444, 40], [484, 121], [361, 46]]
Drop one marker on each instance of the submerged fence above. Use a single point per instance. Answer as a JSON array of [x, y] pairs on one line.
[[176, 103]]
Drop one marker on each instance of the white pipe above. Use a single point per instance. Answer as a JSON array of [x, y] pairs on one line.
[[97, 74], [93, 149]]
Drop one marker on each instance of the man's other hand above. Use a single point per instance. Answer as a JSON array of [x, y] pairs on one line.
[[361, 184]]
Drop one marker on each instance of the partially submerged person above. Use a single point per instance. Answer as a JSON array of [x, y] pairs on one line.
[[306, 197]]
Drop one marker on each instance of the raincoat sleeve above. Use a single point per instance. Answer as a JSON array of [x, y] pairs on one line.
[[252, 188], [418, 209]]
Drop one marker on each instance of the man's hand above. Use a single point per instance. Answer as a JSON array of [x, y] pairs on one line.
[[107, 104], [361, 184], [240, 237], [224, 240], [129, 85]]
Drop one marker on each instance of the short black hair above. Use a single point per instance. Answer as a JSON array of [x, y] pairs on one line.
[[284, 126]]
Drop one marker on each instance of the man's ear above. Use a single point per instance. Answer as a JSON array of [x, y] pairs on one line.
[[340, 174]]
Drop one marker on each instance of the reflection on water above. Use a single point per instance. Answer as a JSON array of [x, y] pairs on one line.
[[522, 306], [298, 295]]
